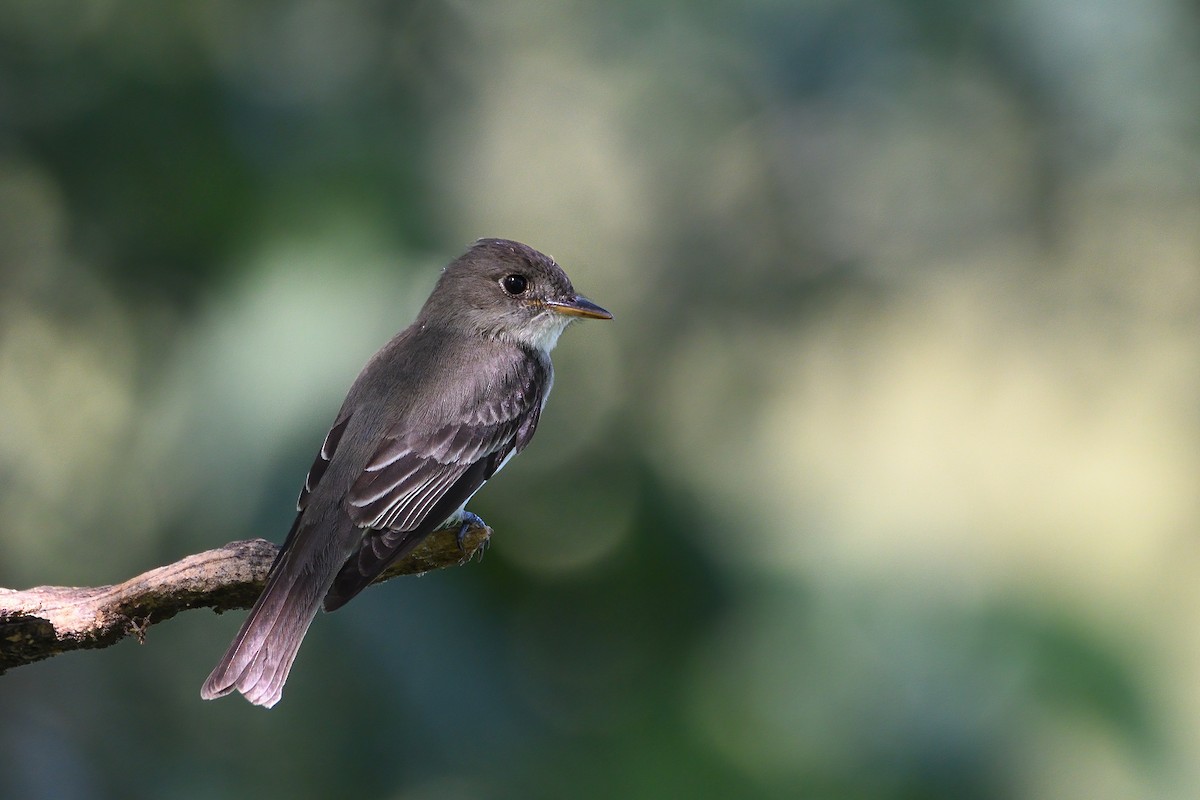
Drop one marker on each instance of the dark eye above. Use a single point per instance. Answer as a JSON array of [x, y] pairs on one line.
[[514, 284]]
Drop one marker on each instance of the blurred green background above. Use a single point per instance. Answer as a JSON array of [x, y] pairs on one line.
[[882, 485]]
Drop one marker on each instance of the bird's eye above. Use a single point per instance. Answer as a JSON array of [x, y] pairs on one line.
[[514, 284]]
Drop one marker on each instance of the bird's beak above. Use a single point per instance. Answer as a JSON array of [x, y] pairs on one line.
[[579, 307]]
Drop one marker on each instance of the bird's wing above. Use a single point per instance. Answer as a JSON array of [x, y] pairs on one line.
[[411, 471], [319, 465], [321, 462], [416, 479]]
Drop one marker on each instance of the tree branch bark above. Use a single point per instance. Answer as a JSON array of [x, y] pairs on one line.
[[45, 621]]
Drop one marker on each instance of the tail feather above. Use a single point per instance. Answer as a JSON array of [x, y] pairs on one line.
[[258, 661]]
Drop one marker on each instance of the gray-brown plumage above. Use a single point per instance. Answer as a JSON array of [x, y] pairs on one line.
[[433, 415]]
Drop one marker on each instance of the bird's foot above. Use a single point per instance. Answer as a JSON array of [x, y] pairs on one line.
[[468, 522]]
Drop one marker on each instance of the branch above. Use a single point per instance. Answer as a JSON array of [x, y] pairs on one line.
[[48, 620]]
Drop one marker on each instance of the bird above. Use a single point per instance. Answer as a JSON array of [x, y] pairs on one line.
[[434, 414]]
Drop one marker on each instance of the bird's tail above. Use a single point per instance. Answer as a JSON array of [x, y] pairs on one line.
[[260, 657]]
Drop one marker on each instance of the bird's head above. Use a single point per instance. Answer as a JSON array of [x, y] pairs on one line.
[[508, 290]]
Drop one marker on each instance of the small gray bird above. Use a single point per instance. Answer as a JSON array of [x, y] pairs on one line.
[[433, 415]]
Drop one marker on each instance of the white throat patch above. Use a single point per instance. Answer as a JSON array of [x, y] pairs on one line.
[[543, 331]]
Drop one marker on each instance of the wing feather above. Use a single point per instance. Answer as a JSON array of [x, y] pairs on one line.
[[416, 479], [399, 495], [411, 470], [321, 462]]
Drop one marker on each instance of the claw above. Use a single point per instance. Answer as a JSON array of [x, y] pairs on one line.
[[469, 521]]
